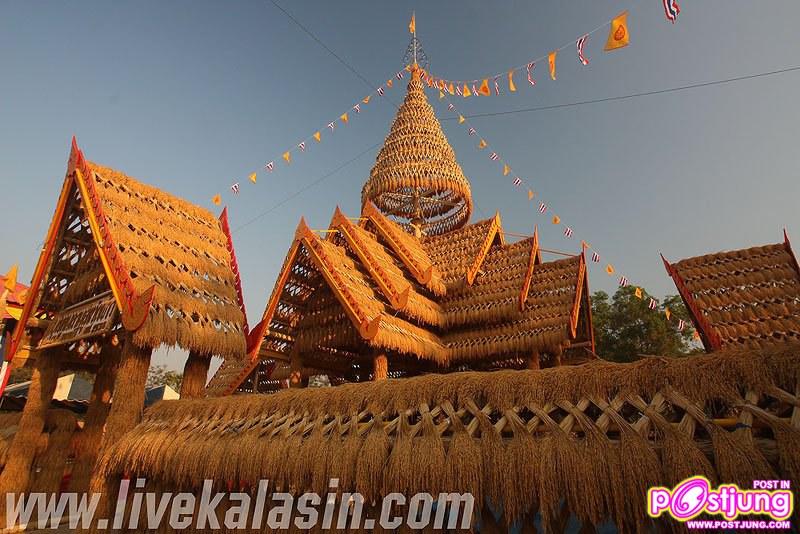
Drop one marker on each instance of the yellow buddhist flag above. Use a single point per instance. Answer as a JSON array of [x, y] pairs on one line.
[[451, 89], [366, 99], [389, 82], [638, 292], [511, 86], [412, 26], [344, 118], [482, 144], [556, 219], [441, 95], [531, 194], [317, 137], [11, 278], [618, 36], [287, 156], [506, 169], [467, 91], [461, 119], [551, 59], [610, 269], [217, 200], [667, 313], [484, 90], [253, 177]]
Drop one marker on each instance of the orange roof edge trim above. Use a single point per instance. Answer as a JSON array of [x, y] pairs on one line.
[[495, 230], [234, 264], [397, 296], [576, 305], [534, 259], [367, 327]]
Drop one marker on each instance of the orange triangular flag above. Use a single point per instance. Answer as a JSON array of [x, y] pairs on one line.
[[531, 194], [638, 292], [467, 91], [217, 200], [317, 137], [11, 278], [287, 156], [441, 95], [551, 59], [618, 36], [484, 90], [344, 117], [506, 169], [511, 86], [366, 99], [482, 144], [412, 26], [556, 219], [389, 82], [610, 269], [451, 89], [253, 177], [461, 119]]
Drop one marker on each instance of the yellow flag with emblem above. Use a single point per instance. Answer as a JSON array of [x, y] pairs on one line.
[[484, 90], [638, 292], [556, 219], [482, 144], [506, 169], [461, 119], [610, 269], [618, 36], [287, 156], [412, 26]]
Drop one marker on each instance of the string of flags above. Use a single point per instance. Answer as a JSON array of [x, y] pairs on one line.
[[317, 136], [544, 208], [618, 37]]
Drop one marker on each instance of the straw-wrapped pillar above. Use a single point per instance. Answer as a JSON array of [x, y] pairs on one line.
[[87, 443], [60, 425], [16, 474], [380, 367], [195, 373]]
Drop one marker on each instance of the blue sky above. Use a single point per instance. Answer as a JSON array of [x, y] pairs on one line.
[[193, 95]]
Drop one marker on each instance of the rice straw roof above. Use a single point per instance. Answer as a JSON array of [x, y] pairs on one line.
[[460, 297], [593, 437], [416, 177], [742, 297]]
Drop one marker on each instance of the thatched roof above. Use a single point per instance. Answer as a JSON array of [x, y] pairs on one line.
[[456, 298], [743, 297], [594, 437], [168, 263], [416, 177]]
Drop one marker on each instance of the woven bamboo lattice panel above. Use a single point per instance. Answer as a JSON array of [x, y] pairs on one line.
[[586, 440], [416, 177], [745, 297]]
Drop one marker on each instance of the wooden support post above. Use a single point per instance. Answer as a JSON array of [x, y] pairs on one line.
[[16, 475], [534, 362], [88, 441], [296, 370], [380, 367], [195, 374]]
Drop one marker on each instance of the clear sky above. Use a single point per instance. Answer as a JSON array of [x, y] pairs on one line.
[[193, 95]]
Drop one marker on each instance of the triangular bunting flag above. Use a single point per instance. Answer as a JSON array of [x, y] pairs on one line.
[[667, 313], [317, 137], [253, 177], [389, 83], [287, 156], [366, 99], [482, 144], [556, 219], [551, 59], [450, 89], [441, 95], [610, 269], [531, 194], [466, 91], [344, 117], [11, 278], [511, 86], [217, 200], [638, 292], [506, 169], [484, 90], [461, 119]]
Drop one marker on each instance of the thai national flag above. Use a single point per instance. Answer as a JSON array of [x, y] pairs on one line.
[[542, 207], [269, 166], [595, 257], [623, 281], [580, 43], [494, 156], [235, 188], [653, 304], [567, 232], [671, 10], [517, 180]]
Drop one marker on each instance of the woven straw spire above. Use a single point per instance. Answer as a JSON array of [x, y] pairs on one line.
[[416, 179]]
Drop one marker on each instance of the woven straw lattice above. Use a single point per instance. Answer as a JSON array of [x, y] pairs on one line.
[[592, 437], [416, 177]]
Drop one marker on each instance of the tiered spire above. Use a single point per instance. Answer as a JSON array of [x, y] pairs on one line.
[[416, 179]]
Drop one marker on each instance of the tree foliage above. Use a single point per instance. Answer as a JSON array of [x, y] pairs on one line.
[[625, 327], [159, 375]]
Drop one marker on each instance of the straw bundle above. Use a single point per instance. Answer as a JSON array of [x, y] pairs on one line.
[[60, 425], [591, 438]]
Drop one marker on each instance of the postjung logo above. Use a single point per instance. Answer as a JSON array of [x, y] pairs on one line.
[[695, 496]]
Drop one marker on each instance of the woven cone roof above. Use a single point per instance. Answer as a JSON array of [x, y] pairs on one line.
[[416, 177]]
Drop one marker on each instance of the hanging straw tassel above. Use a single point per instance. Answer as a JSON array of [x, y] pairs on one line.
[[372, 460], [737, 459], [520, 495], [401, 461], [463, 465], [343, 460]]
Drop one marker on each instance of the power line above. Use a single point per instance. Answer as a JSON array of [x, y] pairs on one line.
[[306, 187], [633, 95]]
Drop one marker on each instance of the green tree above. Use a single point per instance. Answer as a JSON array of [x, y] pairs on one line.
[[159, 375], [625, 327]]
